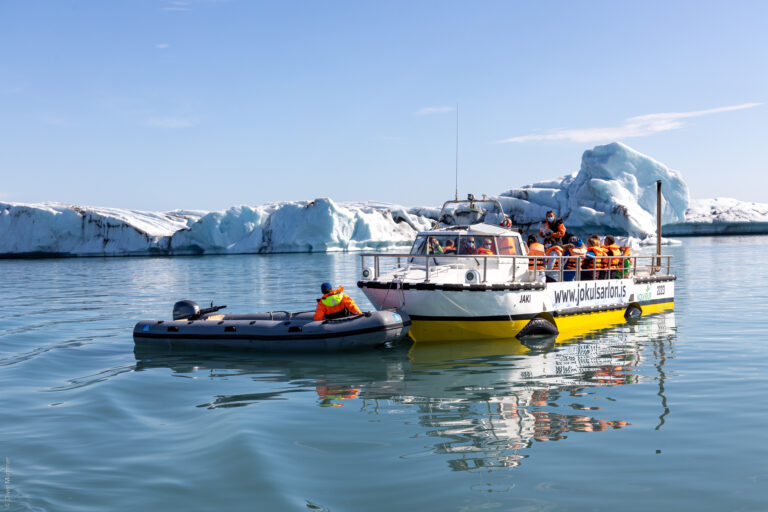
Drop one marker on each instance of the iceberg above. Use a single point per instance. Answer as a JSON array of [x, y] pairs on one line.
[[53, 229], [614, 191], [721, 216]]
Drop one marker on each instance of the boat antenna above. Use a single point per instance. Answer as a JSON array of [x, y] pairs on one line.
[[457, 152]]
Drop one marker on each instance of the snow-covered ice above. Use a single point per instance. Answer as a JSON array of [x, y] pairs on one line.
[[613, 191], [721, 216], [306, 226]]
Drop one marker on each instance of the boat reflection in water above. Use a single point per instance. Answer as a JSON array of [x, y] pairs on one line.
[[485, 404]]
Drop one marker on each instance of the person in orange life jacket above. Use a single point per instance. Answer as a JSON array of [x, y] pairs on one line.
[[486, 248], [449, 248], [574, 248], [535, 249], [594, 263], [553, 264], [553, 227], [335, 304], [615, 265]]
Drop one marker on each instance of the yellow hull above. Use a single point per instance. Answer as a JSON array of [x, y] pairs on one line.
[[569, 326]]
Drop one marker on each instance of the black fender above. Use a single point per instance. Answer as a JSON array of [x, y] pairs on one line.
[[633, 311], [542, 324]]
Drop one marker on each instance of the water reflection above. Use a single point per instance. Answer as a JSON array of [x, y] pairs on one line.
[[482, 405]]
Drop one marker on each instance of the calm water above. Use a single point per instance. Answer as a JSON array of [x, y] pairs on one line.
[[669, 413]]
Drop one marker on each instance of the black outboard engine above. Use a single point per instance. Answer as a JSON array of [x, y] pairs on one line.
[[185, 309]]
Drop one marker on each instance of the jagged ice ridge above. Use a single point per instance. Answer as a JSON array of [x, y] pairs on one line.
[[613, 191]]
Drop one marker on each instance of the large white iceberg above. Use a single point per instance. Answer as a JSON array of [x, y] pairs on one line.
[[614, 191]]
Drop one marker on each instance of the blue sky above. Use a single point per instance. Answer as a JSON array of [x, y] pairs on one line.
[[200, 104]]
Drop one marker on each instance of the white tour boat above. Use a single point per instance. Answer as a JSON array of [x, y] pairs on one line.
[[452, 293]]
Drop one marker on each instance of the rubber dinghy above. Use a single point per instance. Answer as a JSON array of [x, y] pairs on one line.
[[277, 331]]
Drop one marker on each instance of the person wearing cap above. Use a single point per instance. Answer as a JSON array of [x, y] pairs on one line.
[[335, 304], [552, 227]]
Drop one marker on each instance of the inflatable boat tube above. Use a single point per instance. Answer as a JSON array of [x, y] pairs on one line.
[[277, 331]]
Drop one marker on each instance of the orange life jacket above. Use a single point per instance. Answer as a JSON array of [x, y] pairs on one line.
[[614, 250], [558, 252], [556, 229], [598, 262], [536, 249], [576, 251], [334, 302], [483, 250], [506, 245]]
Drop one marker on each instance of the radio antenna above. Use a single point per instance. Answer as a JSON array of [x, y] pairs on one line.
[[457, 152]]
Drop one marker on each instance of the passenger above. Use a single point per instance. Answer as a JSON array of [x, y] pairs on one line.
[[552, 227], [577, 250], [469, 246], [627, 263], [615, 265], [535, 249], [449, 248], [487, 247], [335, 304], [434, 246], [594, 262], [553, 264]]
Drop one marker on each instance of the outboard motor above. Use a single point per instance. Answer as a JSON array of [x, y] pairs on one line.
[[185, 309]]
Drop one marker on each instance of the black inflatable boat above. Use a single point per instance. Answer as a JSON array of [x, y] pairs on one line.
[[279, 331]]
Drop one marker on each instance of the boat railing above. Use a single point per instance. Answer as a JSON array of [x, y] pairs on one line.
[[523, 268]]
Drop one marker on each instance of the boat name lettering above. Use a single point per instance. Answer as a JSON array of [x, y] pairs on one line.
[[526, 298], [660, 290]]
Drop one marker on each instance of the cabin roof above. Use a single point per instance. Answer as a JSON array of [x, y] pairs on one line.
[[474, 229]]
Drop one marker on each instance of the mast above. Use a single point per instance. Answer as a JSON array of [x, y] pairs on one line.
[[457, 152]]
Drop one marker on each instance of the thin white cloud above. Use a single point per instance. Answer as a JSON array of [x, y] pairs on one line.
[[172, 122], [639, 126], [433, 110], [162, 46]]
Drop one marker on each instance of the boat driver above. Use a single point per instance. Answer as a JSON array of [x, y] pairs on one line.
[[469, 246], [335, 304]]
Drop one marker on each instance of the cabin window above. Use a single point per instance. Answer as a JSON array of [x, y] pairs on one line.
[[418, 245], [441, 244]]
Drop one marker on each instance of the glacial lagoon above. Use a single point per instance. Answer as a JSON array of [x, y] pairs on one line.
[[666, 413]]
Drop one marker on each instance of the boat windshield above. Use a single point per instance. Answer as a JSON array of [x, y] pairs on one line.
[[465, 244], [434, 244]]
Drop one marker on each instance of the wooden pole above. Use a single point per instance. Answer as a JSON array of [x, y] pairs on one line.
[[658, 224]]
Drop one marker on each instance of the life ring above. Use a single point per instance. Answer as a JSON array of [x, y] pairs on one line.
[[506, 223]]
